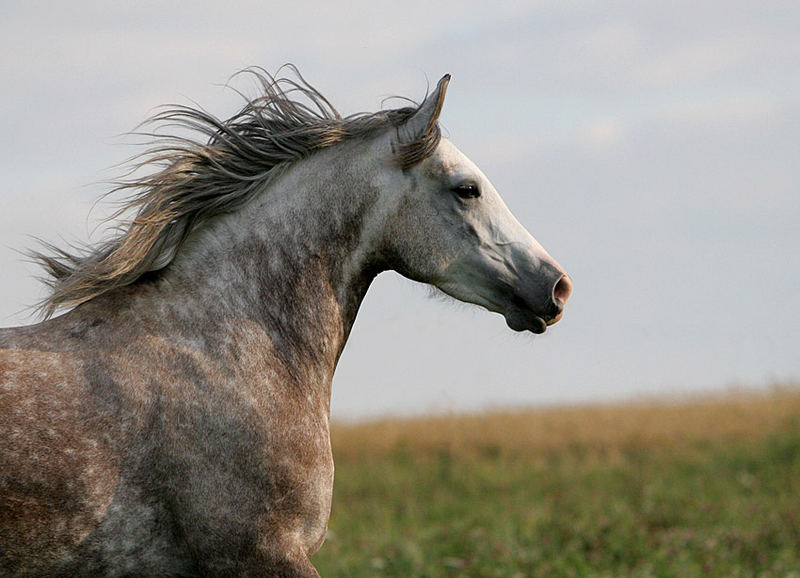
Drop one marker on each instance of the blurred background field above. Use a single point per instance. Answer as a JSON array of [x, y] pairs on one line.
[[692, 487]]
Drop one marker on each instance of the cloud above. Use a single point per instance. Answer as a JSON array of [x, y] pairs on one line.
[[604, 133], [695, 62], [646, 144], [726, 110]]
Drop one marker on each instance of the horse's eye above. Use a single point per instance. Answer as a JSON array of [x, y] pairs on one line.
[[467, 190]]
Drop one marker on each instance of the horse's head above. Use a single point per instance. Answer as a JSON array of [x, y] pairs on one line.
[[450, 228]]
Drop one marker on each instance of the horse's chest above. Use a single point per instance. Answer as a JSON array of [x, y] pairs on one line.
[[242, 449], [252, 468], [302, 477]]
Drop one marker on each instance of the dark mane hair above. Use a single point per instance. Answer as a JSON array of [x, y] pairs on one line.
[[212, 171]]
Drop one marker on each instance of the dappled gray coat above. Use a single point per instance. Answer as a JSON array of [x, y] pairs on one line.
[[174, 422]]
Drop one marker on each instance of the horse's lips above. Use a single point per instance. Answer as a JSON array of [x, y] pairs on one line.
[[520, 320]]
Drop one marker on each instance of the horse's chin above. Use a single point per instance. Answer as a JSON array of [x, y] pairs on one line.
[[520, 320]]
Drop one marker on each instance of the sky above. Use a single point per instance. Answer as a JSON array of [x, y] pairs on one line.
[[653, 148]]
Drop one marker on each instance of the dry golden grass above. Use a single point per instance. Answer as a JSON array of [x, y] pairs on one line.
[[606, 429], [682, 487]]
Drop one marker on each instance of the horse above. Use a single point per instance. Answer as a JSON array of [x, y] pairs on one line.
[[173, 419]]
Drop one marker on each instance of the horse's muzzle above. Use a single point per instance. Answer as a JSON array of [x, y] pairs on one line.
[[521, 315]]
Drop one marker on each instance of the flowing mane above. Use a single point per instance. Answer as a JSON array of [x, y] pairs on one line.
[[213, 170]]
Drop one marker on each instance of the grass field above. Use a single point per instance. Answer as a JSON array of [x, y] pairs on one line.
[[695, 488]]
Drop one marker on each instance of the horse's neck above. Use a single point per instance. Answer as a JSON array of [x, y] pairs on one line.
[[289, 261]]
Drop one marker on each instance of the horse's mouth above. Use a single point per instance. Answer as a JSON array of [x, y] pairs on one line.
[[522, 320]]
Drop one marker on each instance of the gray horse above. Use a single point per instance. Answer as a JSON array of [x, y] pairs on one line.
[[174, 422]]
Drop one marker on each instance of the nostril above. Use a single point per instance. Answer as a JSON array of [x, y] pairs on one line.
[[562, 290]]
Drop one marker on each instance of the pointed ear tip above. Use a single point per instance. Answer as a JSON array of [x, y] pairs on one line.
[[441, 86]]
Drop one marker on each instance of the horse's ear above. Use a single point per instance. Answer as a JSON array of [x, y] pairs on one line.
[[418, 125]]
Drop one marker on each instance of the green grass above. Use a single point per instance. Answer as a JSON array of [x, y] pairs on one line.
[[705, 507]]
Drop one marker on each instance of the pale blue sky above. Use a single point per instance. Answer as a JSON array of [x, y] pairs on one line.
[[652, 148]]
